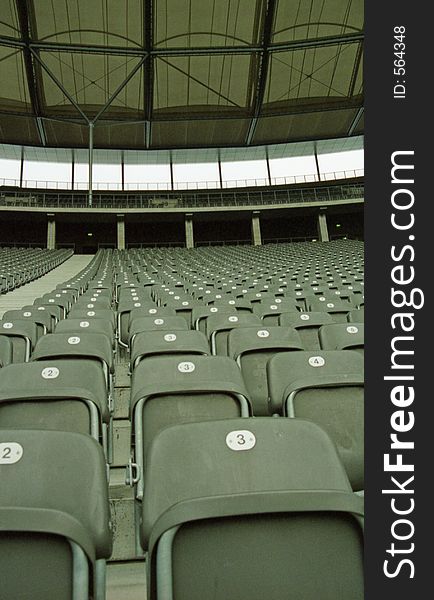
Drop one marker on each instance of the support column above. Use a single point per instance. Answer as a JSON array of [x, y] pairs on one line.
[[90, 162], [189, 236], [256, 229], [51, 231], [120, 232], [323, 232]]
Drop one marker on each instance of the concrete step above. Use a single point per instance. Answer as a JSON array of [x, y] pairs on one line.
[[126, 580], [121, 442], [122, 506]]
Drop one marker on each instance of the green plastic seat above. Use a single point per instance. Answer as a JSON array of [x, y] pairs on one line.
[[55, 533], [252, 347], [326, 386], [181, 389], [250, 509]]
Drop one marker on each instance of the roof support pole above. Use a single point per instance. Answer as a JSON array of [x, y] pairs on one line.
[[90, 162]]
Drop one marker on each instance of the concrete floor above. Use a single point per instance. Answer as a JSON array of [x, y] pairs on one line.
[[26, 294], [126, 581]]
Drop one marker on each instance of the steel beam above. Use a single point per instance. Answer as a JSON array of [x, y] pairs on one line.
[[90, 162], [59, 85], [348, 38], [261, 76], [356, 120]]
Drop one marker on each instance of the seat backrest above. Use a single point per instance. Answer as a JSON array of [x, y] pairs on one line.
[[84, 345], [342, 336], [23, 335], [90, 325], [54, 514], [356, 316], [252, 347], [219, 325], [179, 389], [156, 343], [326, 386], [269, 523], [5, 351], [159, 323], [307, 324], [67, 395], [41, 318]]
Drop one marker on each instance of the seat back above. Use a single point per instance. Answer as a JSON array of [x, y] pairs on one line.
[[342, 336], [182, 389], [307, 324], [252, 347], [54, 515], [269, 523], [326, 387]]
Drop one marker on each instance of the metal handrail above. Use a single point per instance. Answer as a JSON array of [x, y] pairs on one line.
[[212, 199]]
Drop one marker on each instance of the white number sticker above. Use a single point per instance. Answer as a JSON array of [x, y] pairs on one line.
[[159, 321], [233, 319], [8, 325], [51, 300], [186, 367], [305, 317], [10, 453], [352, 329], [91, 313], [170, 337], [231, 302], [50, 373], [27, 314], [316, 361], [218, 296], [137, 304], [273, 307], [90, 305], [185, 303], [213, 309], [263, 333], [240, 440], [41, 307], [152, 311], [93, 299], [84, 323], [74, 339], [330, 305]]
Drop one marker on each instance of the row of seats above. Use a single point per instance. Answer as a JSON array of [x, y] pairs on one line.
[[196, 383], [19, 266]]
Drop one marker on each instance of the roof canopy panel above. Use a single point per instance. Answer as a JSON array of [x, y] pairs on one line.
[[153, 74]]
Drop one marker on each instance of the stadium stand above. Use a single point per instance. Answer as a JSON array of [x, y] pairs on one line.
[[75, 380], [181, 367]]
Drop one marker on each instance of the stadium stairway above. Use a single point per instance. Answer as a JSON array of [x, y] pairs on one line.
[[26, 294]]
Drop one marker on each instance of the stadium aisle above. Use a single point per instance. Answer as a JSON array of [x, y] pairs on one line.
[[26, 294]]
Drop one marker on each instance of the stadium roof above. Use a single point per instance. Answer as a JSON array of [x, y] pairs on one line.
[[154, 74]]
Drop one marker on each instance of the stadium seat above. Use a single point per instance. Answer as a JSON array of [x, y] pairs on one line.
[[252, 347], [156, 324], [307, 324], [41, 318], [219, 325], [325, 387], [342, 336], [168, 389], [64, 395], [157, 343], [277, 518], [23, 335], [55, 530], [5, 351]]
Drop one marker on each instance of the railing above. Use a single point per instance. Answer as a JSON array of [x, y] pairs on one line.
[[187, 200], [186, 185]]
